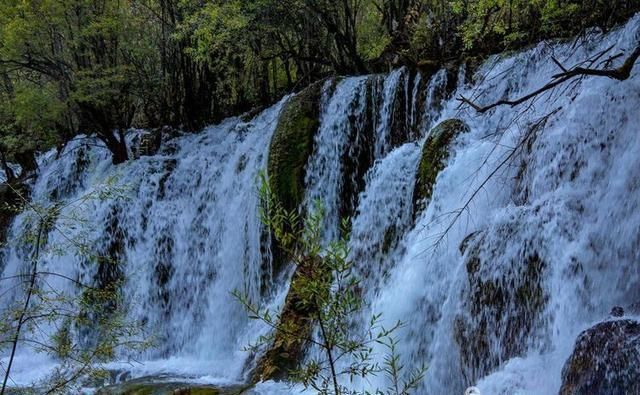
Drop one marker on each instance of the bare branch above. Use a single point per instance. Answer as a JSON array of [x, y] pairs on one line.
[[558, 64], [621, 73]]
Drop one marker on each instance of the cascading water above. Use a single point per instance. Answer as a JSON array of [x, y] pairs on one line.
[[324, 177], [530, 234], [386, 118], [183, 238], [551, 236]]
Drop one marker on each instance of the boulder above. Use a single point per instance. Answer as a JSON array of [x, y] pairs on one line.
[[294, 325], [605, 360], [292, 144], [500, 307], [434, 156], [291, 147]]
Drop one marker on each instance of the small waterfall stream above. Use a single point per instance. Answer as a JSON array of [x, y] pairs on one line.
[[531, 233]]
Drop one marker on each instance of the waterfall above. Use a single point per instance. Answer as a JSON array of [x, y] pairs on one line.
[[384, 128], [565, 207], [185, 236], [530, 234], [324, 177]]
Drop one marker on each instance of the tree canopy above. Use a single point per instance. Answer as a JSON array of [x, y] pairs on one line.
[[103, 66]]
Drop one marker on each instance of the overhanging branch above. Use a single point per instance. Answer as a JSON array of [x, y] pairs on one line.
[[621, 73]]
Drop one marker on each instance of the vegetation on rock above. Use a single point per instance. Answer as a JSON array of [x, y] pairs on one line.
[[434, 155], [500, 310], [323, 296], [147, 386], [292, 145]]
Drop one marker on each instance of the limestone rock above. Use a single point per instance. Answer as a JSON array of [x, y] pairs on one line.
[[499, 309], [605, 360], [434, 155], [292, 144]]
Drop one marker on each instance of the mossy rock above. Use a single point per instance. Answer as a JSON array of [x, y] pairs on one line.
[[500, 308], [605, 360], [143, 386], [294, 325], [292, 144], [434, 156]]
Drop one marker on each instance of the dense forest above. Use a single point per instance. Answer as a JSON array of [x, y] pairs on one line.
[[102, 67]]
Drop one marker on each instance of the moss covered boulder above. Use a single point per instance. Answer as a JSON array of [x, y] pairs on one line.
[[149, 386], [292, 144], [434, 156], [294, 325], [605, 360], [501, 305]]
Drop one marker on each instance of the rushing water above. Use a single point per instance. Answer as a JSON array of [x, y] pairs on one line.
[[553, 184]]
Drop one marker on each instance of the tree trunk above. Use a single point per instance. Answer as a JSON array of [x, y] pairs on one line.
[[27, 162], [8, 172], [117, 146]]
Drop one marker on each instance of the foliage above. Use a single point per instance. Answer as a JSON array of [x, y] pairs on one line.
[[328, 296], [103, 67], [492, 25], [50, 318]]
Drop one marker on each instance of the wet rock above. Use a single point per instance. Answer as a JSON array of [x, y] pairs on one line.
[[169, 166], [434, 155], [400, 127], [617, 311], [292, 144], [605, 360], [360, 155], [499, 309], [297, 318], [150, 142], [162, 386]]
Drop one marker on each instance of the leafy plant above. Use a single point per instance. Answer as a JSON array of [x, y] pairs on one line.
[[324, 296], [51, 319]]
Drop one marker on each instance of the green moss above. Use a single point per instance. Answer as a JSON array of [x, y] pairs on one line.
[[202, 391], [434, 155], [297, 317], [292, 144], [151, 389], [143, 387], [499, 309], [140, 389]]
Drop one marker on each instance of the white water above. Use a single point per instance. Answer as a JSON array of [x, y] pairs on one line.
[[387, 115], [191, 235], [576, 204], [324, 179]]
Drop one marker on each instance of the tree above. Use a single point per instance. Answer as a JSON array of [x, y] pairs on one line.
[[102, 67], [86, 55], [36, 304], [325, 294]]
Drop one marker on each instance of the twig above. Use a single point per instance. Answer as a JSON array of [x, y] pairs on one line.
[[458, 213], [621, 73], [23, 313]]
